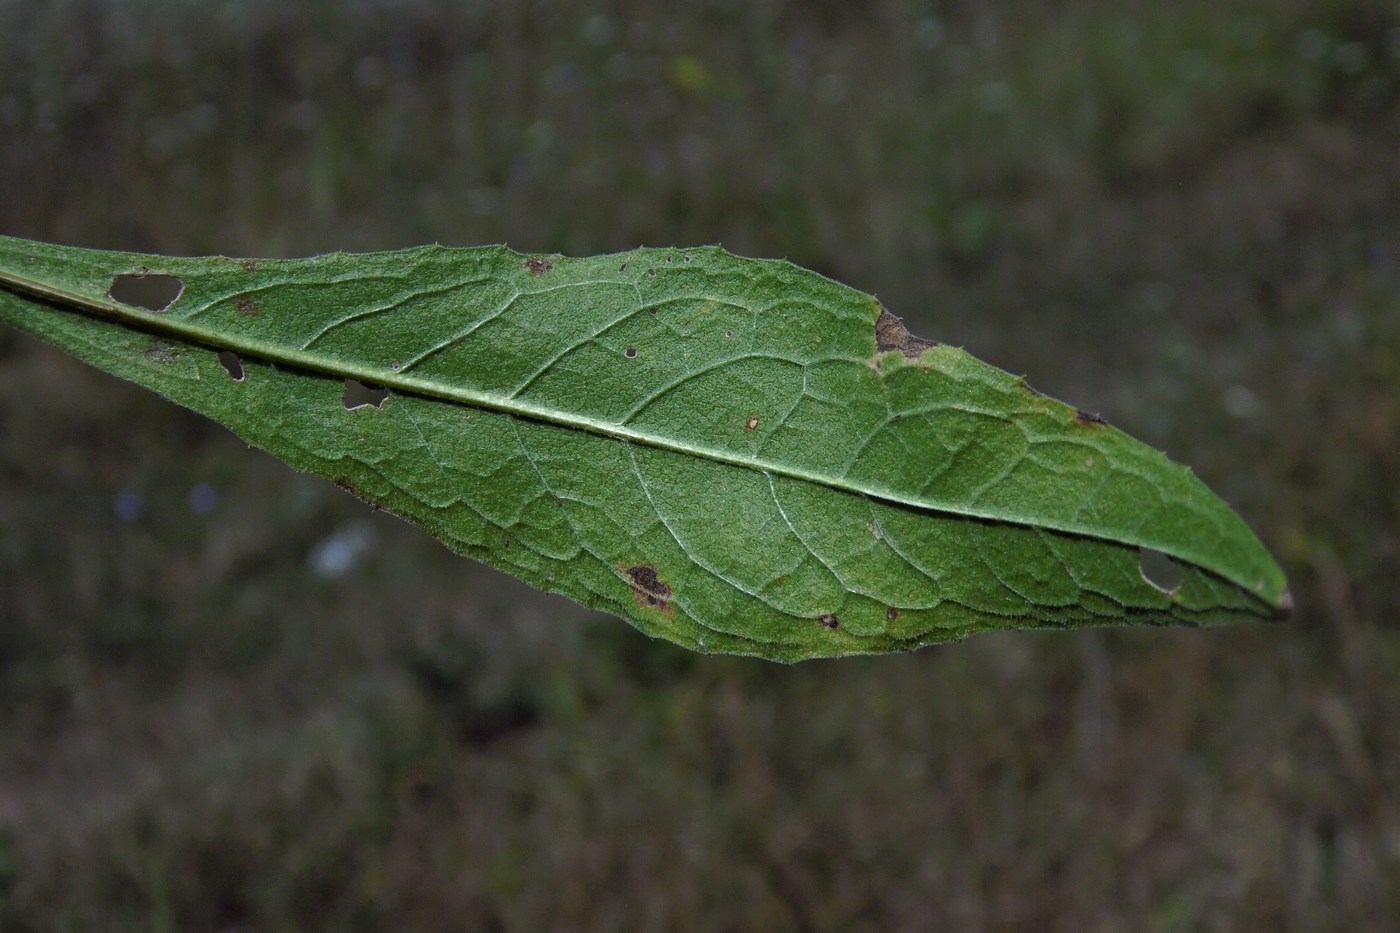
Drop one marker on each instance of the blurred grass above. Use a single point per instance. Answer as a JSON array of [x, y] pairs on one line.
[[1185, 216]]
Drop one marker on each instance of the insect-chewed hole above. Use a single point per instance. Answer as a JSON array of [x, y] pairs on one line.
[[361, 395], [146, 290], [232, 365], [1160, 571]]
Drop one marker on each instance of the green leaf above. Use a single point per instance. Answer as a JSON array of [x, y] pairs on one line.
[[737, 455]]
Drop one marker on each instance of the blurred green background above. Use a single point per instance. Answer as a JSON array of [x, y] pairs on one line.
[[231, 697]]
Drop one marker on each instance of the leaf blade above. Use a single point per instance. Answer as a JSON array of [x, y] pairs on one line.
[[758, 382]]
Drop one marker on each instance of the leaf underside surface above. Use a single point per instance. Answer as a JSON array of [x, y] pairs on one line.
[[736, 455]]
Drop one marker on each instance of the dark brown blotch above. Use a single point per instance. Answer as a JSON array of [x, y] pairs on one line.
[[891, 334], [249, 265], [650, 591], [247, 306], [829, 620], [891, 614], [538, 265], [1088, 417]]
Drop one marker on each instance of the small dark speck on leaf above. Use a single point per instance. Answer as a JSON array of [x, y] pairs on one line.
[[538, 265], [752, 423], [651, 272], [232, 365], [623, 267], [891, 614], [155, 293], [1087, 417], [247, 306], [891, 334], [630, 352], [361, 395], [729, 333], [249, 265], [648, 589], [651, 311], [829, 620]]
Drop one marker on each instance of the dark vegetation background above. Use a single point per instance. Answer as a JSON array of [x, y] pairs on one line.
[[233, 698]]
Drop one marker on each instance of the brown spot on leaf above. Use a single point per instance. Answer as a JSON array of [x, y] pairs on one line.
[[829, 620], [649, 589], [1088, 418], [249, 265], [247, 306], [538, 265], [752, 422], [891, 614], [891, 334]]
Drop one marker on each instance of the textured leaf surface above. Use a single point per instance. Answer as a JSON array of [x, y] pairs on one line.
[[737, 455]]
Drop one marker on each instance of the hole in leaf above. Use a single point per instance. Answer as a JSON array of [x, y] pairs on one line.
[[630, 352], [144, 290], [232, 365], [360, 395], [1160, 570]]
